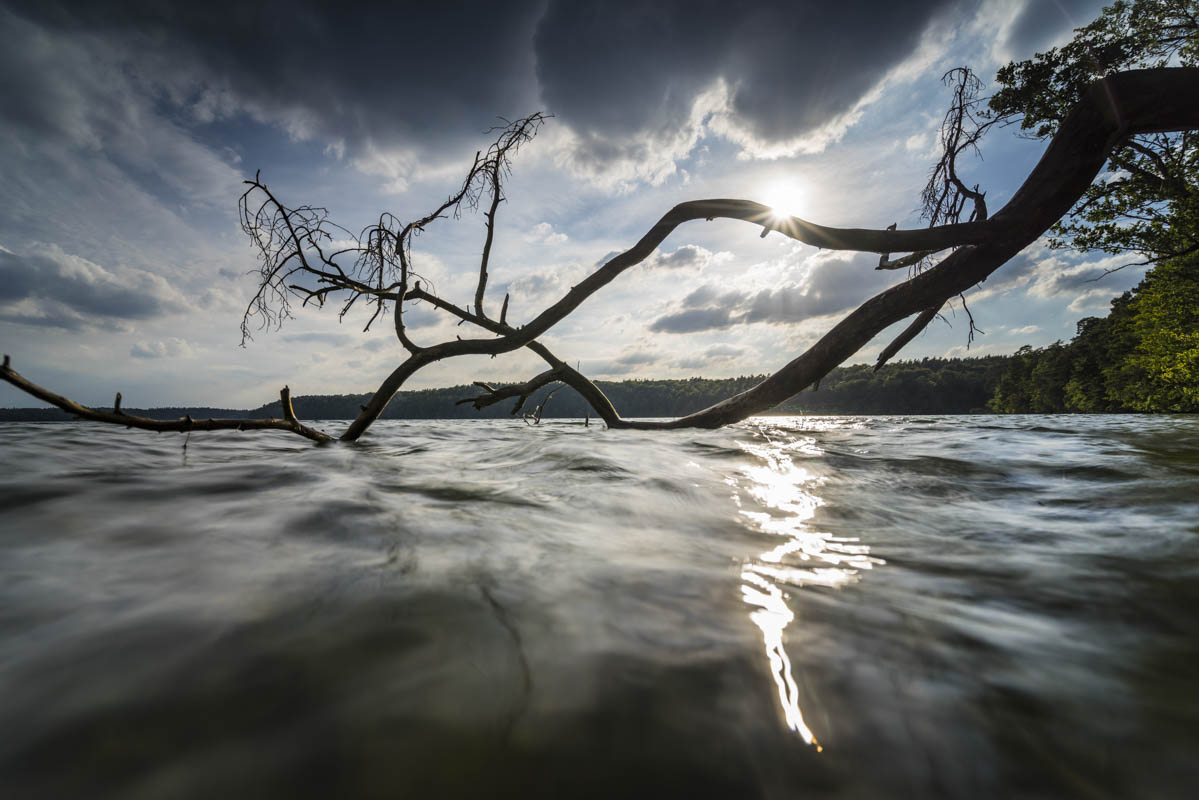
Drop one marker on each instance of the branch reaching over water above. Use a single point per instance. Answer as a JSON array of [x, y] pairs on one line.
[[181, 425], [909, 333], [1119, 106], [520, 391], [299, 259]]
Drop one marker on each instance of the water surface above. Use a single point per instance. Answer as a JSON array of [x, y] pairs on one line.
[[791, 607]]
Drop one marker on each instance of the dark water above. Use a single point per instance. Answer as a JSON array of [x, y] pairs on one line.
[[842, 607]]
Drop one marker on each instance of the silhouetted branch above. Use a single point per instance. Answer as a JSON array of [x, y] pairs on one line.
[[1112, 109], [541, 407], [910, 260], [300, 255], [181, 425], [964, 126], [520, 391], [304, 255], [909, 333]]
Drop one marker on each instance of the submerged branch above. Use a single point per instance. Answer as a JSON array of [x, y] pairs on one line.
[[520, 391], [181, 425]]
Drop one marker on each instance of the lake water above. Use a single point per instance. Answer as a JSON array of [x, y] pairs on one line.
[[791, 607]]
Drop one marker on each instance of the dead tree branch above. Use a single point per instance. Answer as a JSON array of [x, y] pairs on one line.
[[1121, 105], [300, 256], [945, 195], [304, 256], [909, 333], [184, 424], [521, 391], [541, 407]]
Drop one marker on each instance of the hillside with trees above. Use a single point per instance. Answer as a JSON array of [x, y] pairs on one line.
[[1143, 356], [927, 386]]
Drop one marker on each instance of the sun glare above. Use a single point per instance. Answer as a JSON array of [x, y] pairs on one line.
[[786, 198]]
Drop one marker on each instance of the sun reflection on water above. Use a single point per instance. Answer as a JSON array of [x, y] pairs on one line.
[[786, 494]]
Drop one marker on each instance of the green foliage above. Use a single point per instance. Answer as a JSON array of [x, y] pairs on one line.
[[1035, 381], [1162, 372], [1144, 356], [1148, 202]]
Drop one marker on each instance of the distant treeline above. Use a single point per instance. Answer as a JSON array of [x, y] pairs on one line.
[[928, 386]]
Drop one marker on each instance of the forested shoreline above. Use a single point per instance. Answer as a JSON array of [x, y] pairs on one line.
[[1142, 357], [926, 386]]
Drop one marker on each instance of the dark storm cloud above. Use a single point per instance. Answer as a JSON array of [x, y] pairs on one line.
[[636, 359], [388, 73], [54, 289], [1040, 23], [614, 68], [412, 79], [354, 71], [692, 320]]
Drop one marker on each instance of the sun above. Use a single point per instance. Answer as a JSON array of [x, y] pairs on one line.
[[786, 197]]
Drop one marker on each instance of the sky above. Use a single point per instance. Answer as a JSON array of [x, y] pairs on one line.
[[127, 130]]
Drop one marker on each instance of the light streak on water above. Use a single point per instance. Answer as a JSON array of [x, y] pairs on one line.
[[805, 558]]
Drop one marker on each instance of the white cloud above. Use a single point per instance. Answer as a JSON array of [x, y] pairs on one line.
[[1097, 299], [543, 233], [688, 256], [166, 348], [619, 163], [917, 142], [969, 350], [393, 165]]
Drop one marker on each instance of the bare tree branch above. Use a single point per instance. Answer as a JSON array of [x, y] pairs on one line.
[[1119, 106], [541, 407], [520, 391], [963, 127], [299, 255], [909, 333], [184, 424]]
